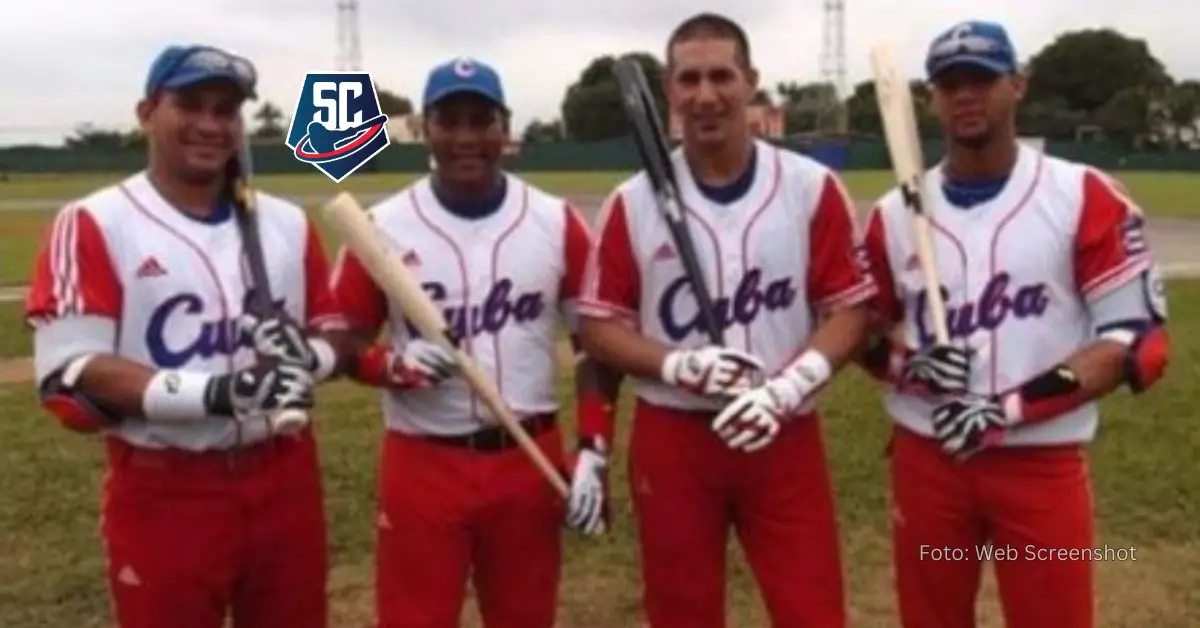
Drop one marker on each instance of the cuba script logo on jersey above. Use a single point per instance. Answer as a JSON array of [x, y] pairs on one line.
[[338, 125], [750, 299], [500, 307], [995, 305], [181, 330]]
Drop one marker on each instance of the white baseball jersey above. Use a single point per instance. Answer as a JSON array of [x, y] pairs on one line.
[[148, 283], [771, 259], [503, 281], [1020, 271]]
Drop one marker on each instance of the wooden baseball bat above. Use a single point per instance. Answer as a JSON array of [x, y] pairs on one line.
[[350, 221], [908, 163]]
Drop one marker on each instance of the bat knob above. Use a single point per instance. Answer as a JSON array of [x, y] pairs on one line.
[[289, 422]]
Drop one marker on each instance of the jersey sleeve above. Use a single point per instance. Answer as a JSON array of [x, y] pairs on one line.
[[1110, 240], [886, 303], [611, 281], [320, 308], [74, 275], [577, 246], [361, 302], [838, 275]]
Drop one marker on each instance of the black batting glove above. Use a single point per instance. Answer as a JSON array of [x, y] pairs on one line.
[[278, 337], [940, 369], [260, 390]]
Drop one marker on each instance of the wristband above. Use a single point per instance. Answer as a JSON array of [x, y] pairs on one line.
[[886, 360], [326, 359], [374, 365], [812, 367], [1047, 396], [176, 396], [669, 371]]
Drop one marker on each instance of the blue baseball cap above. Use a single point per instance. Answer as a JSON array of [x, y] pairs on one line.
[[463, 76], [983, 45], [177, 67]]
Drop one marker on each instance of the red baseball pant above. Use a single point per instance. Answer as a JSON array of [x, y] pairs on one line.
[[449, 514], [192, 538], [1026, 501], [689, 490]]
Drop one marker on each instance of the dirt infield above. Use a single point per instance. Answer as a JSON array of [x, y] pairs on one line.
[[16, 370]]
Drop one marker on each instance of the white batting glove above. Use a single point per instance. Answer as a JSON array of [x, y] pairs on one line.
[[586, 507], [422, 364], [754, 419], [712, 371]]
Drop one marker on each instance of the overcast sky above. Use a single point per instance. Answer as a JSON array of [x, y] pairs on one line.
[[71, 61]]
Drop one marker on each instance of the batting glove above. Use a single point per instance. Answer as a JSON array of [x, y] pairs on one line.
[[712, 371], [279, 338], [966, 426], [587, 506], [754, 419], [422, 364], [260, 390], [940, 369]]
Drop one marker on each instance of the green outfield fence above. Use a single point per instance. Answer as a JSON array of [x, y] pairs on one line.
[[610, 155]]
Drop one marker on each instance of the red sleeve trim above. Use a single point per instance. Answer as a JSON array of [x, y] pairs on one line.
[[1110, 241], [362, 302], [611, 281], [320, 308], [74, 274], [838, 274], [886, 303], [577, 247]]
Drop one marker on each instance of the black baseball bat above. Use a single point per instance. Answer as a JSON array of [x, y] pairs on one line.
[[655, 155], [238, 178], [239, 173]]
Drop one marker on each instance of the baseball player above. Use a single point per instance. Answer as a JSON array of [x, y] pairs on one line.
[[459, 499], [1053, 300], [775, 235], [137, 300]]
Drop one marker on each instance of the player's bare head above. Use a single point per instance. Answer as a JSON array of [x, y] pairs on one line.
[[710, 80], [466, 124], [712, 26], [191, 112], [976, 83]]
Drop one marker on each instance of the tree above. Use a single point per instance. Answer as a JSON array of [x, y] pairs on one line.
[[862, 110], [1086, 69], [591, 107], [393, 104], [1125, 117], [89, 137], [270, 122], [807, 106], [1181, 112], [1050, 118], [538, 131]]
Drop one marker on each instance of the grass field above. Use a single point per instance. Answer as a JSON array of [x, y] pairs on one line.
[[1163, 194], [14, 343], [1144, 462]]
